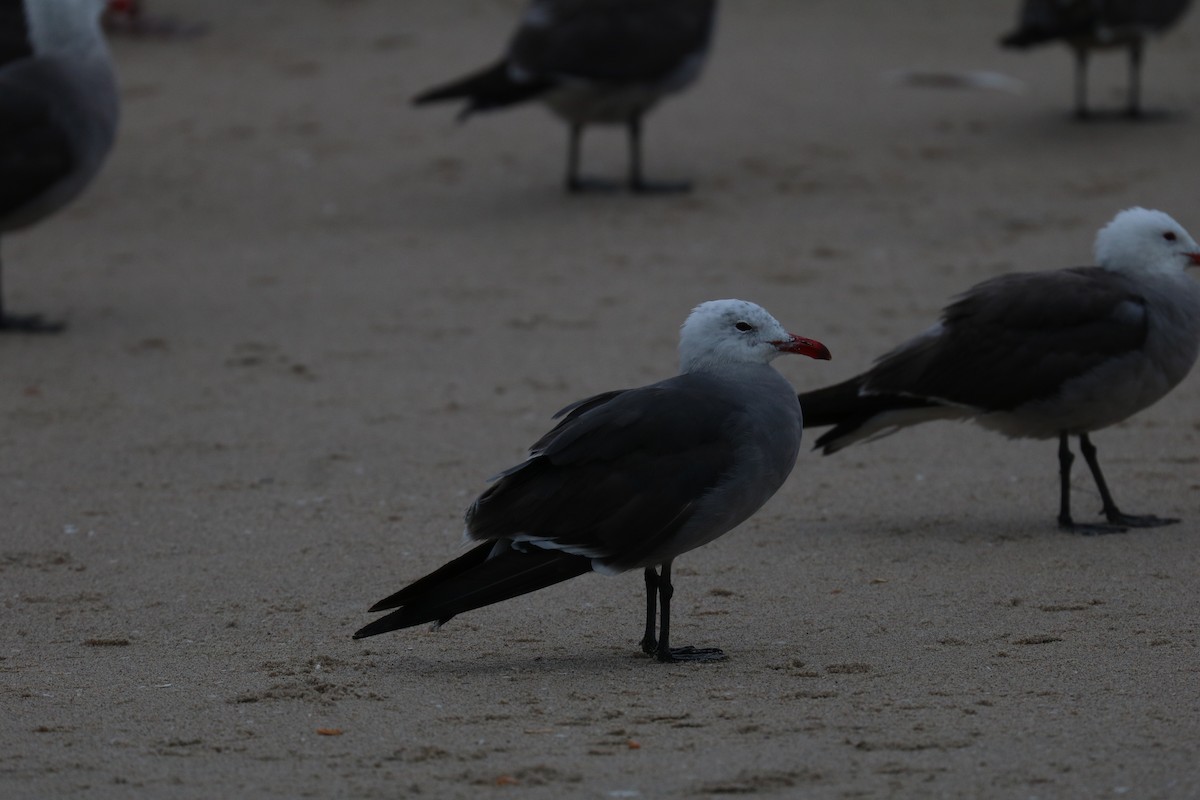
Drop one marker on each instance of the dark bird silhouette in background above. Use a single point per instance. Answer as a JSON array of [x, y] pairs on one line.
[[594, 62], [1087, 25]]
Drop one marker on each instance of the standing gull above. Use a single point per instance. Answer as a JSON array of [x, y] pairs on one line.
[[58, 114], [1085, 25], [631, 479], [1042, 355], [594, 62]]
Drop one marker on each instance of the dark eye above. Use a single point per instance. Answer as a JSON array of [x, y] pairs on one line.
[[744, 326], [1169, 236]]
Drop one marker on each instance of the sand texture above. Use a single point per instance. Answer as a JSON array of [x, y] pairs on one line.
[[307, 322]]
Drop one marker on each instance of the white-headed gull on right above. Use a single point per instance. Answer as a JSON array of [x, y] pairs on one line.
[[1042, 355]]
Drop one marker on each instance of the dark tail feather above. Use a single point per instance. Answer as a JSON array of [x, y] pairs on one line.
[[843, 407], [837, 405], [472, 581], [488, 88], [831, 405], [472, 558]]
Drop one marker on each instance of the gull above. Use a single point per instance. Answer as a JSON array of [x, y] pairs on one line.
[[632, 479], [594, 62], [1086, 25], [1042, 355], [58, 115]]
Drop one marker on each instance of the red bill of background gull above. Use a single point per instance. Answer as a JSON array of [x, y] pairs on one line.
[[1086, 25], [129, 17], [58, 114], [1042, 355], [631, 479], [594, 62]]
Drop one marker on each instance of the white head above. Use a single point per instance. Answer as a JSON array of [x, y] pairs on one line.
[[64, 24], [1139, 240], [737, 332]]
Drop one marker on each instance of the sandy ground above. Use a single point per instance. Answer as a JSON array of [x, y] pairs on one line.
[[308, 321]]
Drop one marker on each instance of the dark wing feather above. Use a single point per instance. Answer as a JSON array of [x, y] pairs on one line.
[[618, 475], [34, 152], [467, 561], [491, 87], [845, 407], [476, 579], [844, 402], [613, 41], [575, 409], [1017, 339]]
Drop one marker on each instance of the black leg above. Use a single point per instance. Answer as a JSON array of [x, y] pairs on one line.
[[1134, 108], [573, 144], [665, 592], [1111, 512], [637, 180], [649, 642], [665, 652], [1065, 460], [576, 183], [635, 153], [1081, 65], [28, 323]]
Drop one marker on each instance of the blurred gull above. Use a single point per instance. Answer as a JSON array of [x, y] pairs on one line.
[[594, 62], [1085, 25]]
